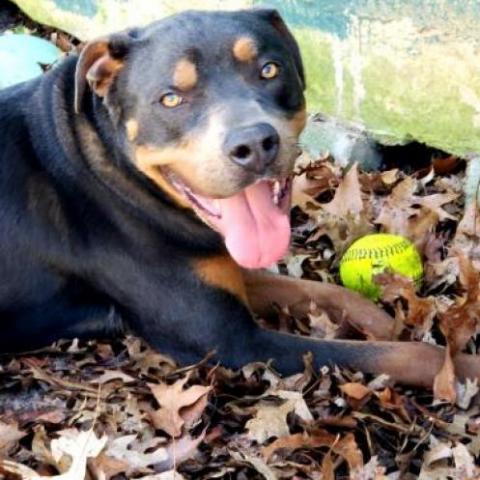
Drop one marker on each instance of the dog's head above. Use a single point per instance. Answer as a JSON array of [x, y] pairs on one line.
[[209, 107]]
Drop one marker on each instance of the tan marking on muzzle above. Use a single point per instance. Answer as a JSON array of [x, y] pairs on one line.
[[132, 129], [245, 49], [185, 76], [149, 161], [298, 121], [222, 272]]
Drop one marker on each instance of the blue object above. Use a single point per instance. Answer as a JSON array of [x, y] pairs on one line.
[[21, 56]]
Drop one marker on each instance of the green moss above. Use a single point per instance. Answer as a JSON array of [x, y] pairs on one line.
[[415, 96], [317, 57], [428, 109], [48, 13], [348, 110]]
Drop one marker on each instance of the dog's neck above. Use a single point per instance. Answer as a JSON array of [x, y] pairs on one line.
[[100, 166]]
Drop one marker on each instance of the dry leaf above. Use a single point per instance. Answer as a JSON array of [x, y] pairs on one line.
[[465, 393], [106, 467], [461, 321], [328, 467], [346, 447], [348, 196], [9, 437], [133, 452], [172, 399], [355, 390], [444, 383], [370, 471], [269, 421], [295, 400], [78, 445], [109, 375], [257, 463], [170, 475]]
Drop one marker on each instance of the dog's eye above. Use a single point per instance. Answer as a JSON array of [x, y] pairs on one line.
[[171, 100], [270, 70]]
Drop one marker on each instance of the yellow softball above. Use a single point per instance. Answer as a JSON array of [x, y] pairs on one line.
[[373, 254]]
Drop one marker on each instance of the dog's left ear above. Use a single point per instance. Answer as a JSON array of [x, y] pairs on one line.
[[273, 17], [98, 65]]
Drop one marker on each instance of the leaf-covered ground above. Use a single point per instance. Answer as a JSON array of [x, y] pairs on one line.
[[121, 410]]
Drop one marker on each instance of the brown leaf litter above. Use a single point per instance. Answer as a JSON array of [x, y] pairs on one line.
[[120, 410]]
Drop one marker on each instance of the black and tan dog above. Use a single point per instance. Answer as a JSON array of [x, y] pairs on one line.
[[137, 179]]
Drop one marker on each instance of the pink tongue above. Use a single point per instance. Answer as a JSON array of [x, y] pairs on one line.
[[256, 231]]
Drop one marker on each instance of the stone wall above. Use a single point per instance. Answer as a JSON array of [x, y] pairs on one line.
[[404, 69]]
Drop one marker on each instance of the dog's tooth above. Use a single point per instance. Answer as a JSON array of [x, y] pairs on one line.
[[276, 198], [276, 187]]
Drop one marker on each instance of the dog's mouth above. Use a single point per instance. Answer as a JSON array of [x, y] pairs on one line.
[[254, 222]]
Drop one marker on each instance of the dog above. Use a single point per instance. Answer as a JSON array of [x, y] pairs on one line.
[[145, 183]]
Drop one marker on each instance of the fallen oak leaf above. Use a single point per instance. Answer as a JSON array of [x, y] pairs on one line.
[[420, 312], [464, 463], [9, 437], [193, 413], [40, 449], [79, 445], [413, 216], [466, 392], [21, 471], [461, 320], [348, 196], [355, 390], [346, 447], [296, 441], [146, 359], [299, 406], [257, 463], [172, 399], [269, 421], [110, 375], [466, 239], [371, 471], [170, 475], [105, 467], [126, 449], [397, 208], [328, 467], [39, 374], [310, 182], [180, 450], [391, 400], [128, 455], [438, 451], [344, 218], [444, 383], [436, 201]]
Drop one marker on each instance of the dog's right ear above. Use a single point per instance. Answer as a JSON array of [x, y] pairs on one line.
[[98, 65]]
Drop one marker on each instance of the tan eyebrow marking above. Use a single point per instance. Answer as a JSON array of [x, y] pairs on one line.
[[132, 129], [245, 49], [185, 75]]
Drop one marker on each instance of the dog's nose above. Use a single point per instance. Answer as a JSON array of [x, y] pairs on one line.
[[253, 148]]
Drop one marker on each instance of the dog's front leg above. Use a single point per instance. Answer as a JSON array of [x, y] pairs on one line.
[[39, 326], [219, 321], [265, 289], [413, 363]]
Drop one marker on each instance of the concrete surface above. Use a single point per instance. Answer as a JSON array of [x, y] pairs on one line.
[[402, 69]]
